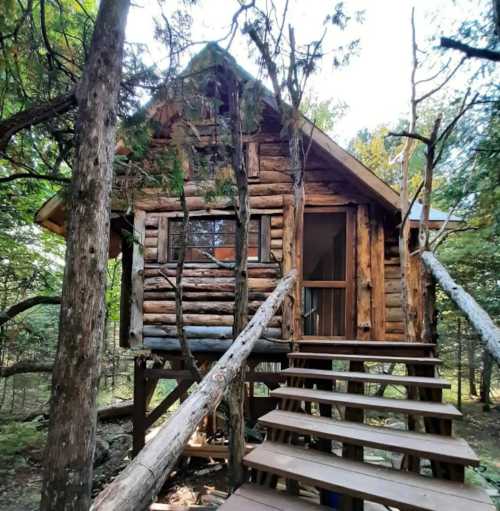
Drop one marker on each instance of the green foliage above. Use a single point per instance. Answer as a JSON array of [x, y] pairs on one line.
[[16, 438], [325, 114]]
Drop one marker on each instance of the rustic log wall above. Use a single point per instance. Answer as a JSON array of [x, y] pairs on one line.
[[209, 289]]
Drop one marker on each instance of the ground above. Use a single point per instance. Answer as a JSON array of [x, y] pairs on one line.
[[201, 482]]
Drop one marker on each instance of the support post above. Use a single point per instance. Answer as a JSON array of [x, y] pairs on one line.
[[139, 415]]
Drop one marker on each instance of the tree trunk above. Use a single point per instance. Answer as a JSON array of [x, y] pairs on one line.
[[459, 364], [480, 320], [486, 381], [236, 391], [471, 367], [67, 479], [408, 306]]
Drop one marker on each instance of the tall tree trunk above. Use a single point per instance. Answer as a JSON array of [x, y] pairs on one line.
[[236, 391], [471, 366], [67, 479], [459, 364], [484, 395], [427, 283], [409, 314], [187, 355]]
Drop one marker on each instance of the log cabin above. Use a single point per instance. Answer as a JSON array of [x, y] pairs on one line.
[[345, 304]]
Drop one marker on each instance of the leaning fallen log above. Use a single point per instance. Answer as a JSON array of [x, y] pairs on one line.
[[478, 317], [135, 488]]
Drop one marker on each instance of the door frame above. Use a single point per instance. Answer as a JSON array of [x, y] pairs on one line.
[[349, 284]]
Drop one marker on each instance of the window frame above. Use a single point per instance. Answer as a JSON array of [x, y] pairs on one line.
[[171, 235]]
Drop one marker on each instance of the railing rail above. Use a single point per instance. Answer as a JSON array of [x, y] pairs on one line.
[[135, 488], [478, 317]]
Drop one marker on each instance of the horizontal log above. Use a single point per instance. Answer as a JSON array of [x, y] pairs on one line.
[[207, 265], [211, 272], [198, 319], [203, 295], [394, 314], [271, 176], [480, 320], [277, 222], [212, 345], [393, 300], [332, 200], [392, 285], [277, 243], [153, 216], [276, 233], [276, 149], [136, 487], [394, 327], [212, 307], [202, 332], [209, 284], [151, 242], [159, 202]]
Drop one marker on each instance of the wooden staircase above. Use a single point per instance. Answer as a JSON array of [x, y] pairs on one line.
[[299, 448]]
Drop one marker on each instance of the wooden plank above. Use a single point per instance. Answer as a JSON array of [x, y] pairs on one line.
[[436, 447], [265, 238], [253, 163], [136, 319], [363, 274], [421, 408], [251, 497], [378, 276], [375, 483], [388, 379], [365, 358], [350, 300], [162, 240]]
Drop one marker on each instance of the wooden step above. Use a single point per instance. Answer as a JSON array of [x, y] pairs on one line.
[[386, 486], [251, 497], [389, 379], [364, 358], [433, 447], [395, 349], [421, 408]]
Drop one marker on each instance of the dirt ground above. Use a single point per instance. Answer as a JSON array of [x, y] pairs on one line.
[[201, 482]]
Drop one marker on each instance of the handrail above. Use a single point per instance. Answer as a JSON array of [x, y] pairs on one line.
[[135, 488], [478, 317]]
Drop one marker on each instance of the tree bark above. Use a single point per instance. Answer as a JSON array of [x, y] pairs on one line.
[[140, 482], [484, 395], [471, 367], [16, 309], [409, 313], [35, 115], [489, 333], [67, 479], [24, 367], [236, 391]]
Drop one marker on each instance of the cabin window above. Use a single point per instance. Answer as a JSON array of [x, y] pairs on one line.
[[215, 236]]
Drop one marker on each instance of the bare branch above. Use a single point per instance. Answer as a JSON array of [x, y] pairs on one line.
[[442, 84], [16, 309], [410, 206], [470, 51], [218, 262], [408, 134]]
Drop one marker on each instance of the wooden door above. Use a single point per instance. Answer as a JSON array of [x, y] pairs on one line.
[[328, 261]]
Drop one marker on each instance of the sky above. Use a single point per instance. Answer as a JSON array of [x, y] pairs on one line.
[[374, 85]]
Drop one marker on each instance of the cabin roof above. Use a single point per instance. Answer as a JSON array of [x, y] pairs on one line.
[[51, 214]]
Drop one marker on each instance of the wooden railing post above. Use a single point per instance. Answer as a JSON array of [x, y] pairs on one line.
[[140, 482]]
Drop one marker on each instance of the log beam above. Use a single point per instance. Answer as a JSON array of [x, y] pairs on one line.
[[480, 320], [140, 482]]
